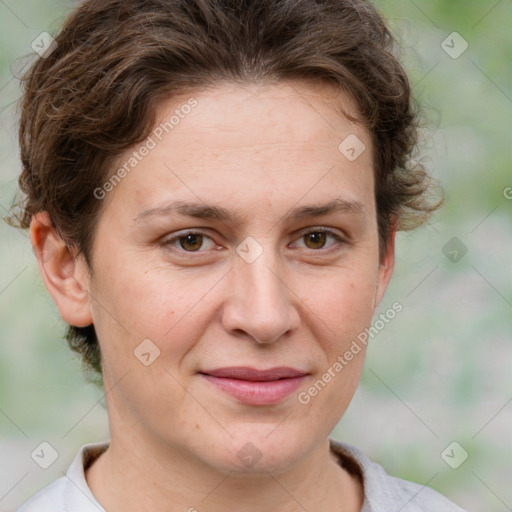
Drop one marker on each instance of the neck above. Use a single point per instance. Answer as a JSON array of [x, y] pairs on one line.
[[137, 476]]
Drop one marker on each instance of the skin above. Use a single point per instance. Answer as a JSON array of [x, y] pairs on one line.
[[259, 151]]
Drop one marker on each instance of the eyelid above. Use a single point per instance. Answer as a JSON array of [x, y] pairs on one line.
[[322, 229], [183, 234], [340, 239]]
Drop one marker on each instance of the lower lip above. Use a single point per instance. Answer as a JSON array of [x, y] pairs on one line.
[[257, 393]]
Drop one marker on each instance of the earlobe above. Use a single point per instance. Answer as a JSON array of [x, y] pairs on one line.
[[64, 275]]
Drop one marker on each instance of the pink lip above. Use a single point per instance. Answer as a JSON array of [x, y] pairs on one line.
[[253, 374], [256, 387], [257, 393]]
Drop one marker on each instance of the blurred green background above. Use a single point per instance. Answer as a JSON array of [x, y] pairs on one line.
[[440, 372]]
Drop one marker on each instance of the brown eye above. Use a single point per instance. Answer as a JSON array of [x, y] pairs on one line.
[[191, 242], [188, 242], [318, 239], [315, 240]]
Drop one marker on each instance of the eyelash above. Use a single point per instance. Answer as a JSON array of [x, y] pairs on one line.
[[170, 241]]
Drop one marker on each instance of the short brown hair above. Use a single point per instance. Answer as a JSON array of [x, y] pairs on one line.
[[115, 61]]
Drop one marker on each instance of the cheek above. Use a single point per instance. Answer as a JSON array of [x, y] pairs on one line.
[[173, 306], [134, 303], [341, 312], [344, 300]]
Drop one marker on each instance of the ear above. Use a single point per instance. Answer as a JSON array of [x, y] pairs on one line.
[[65, 276], [386, 266]]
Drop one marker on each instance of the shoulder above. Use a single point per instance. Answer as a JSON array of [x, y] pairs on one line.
[[384, 492], [50, 498], [69, 493], [413, 497]]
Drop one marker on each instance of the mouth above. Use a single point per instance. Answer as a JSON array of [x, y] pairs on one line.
[[255, 375], [256, 387]]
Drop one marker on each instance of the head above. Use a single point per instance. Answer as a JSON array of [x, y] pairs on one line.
[[291, 127]]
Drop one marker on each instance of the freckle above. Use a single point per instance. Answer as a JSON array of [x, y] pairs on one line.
[[197, 426]]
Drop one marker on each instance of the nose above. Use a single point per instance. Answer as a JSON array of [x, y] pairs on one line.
[[260, 302]]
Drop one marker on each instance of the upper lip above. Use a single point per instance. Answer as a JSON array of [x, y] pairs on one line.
[[253, 374]]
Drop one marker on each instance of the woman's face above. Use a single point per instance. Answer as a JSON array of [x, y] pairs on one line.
[[251, 288]]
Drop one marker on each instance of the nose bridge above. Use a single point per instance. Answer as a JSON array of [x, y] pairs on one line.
[[260, 303]]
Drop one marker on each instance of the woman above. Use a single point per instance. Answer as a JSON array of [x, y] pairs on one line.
[[213, 190]]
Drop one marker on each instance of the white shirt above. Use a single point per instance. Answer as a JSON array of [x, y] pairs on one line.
[[382, 493]]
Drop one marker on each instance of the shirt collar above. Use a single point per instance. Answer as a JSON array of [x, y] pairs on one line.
[[78, 495]]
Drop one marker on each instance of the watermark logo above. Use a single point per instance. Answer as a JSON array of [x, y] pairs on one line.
[[454, 45], [146, 352], [249, 454], [352, 147], [454, 455], [454, 249], [304, 397], [249, 250], [44, 45], [44, 455], [151, 143]]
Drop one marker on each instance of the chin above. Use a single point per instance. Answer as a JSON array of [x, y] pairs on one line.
[[257, 450]]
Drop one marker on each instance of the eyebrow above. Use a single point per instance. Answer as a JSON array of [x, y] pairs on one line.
[[205, 211]]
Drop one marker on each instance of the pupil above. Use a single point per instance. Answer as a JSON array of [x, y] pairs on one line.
[[317, 238], [195, 240]]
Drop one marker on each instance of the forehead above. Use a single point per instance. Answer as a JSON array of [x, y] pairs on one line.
[[231, 140], [230, 116]]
